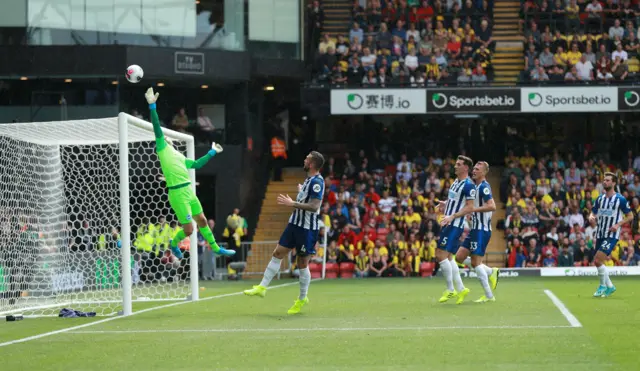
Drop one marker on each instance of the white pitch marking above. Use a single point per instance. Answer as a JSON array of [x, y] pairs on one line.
[[563, 309], [307, 329], [68, 329]]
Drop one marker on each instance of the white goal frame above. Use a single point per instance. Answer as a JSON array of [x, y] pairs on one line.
[[124, 120], [48, 264]]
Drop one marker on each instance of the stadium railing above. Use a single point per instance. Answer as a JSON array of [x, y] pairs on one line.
[[256, 255], [630, 81]]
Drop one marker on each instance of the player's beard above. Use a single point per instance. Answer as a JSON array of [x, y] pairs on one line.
[[607, 189], [306, 167]]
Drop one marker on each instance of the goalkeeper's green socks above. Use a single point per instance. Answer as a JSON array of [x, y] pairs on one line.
[[178, 238], [208, 236]]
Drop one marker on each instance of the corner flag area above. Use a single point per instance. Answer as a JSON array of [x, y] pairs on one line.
[[536, 324]]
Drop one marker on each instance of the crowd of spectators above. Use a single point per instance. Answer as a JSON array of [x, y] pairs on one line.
[[580, 41], [548, 200], [410, 43], [383, 211], [202, 128]]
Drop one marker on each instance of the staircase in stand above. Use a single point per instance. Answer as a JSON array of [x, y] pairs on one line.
[[497, 242], [273, 219], [508, 59], [337, 17]]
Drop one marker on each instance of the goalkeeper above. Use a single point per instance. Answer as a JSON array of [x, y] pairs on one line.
[[182, 198]]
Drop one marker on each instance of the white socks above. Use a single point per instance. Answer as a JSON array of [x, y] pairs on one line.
[[604, 276], [487, 270], [305, 279], [445, 266], [272, 269], [455, 273], [484, 279]]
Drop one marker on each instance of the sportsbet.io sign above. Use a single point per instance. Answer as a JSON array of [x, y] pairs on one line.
[[378, 101], [485, 100], [573, 99], [472, 100]]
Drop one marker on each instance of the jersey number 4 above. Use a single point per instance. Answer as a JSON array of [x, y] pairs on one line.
[[303, 249]]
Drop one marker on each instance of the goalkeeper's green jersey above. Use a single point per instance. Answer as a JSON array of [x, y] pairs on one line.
[[174, 166]]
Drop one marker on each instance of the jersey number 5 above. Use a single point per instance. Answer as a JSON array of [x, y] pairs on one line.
[[444, 242]]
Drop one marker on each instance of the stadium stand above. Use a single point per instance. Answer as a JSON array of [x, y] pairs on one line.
[[577, 42], [548, 200], [383, 214], [408, 43]]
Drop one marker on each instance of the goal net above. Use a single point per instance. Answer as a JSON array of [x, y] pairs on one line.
[[84, 218]]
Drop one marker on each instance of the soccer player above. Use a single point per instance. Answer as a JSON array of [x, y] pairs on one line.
[[480, 234], [182, 198], [608, 211], [462, 193], [301, 233]]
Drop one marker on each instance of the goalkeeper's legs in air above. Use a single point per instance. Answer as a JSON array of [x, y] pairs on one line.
[[203, 227], [187, 207]]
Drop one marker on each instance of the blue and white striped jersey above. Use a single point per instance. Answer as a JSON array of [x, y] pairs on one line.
[[482, 220], [459, 192], [609, 211], [313, 187]]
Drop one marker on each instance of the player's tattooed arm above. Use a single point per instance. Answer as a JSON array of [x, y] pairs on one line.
[[313, 204]]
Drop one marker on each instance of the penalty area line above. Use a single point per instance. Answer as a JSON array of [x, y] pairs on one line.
[[573, 321], [75, 328], [307, 329]]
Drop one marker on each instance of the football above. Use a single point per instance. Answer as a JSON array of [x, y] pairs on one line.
[[134, 73]]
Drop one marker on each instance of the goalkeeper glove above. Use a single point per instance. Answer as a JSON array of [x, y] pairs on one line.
[[215, 148], [151, 98]]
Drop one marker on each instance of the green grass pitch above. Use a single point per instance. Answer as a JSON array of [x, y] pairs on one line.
[[373, 324]]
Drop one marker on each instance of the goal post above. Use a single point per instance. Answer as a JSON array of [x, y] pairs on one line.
[[85, 220], [124, 120]]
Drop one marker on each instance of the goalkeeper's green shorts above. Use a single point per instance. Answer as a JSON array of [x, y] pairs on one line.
[[185, 204]]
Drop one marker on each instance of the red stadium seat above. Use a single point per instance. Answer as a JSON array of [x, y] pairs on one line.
[[316, 270], [390, 169], [346, 270], [426, 269], [636, 237], [332, 270]]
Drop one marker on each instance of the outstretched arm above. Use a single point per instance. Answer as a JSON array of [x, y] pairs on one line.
[[199, 163], [157, 130]]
